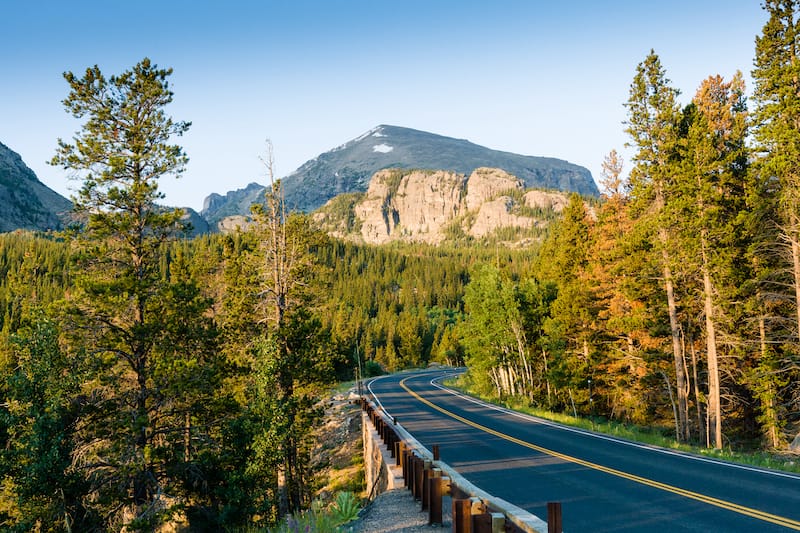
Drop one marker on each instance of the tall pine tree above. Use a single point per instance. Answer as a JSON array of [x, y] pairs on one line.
[[138, 329], [776, 201], [709, 199], [653, 119]]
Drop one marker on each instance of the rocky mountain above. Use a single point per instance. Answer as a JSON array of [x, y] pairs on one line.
[[349, 168], [199, 225], [25, 202], [216, 207], [432, 206]]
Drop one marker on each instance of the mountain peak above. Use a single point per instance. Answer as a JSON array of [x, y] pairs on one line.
[[349, 167]]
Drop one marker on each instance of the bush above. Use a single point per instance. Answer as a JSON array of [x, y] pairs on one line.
[[372, 369], [345, 508]]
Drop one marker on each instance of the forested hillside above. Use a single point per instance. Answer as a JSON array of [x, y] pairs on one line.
[[152, 379]]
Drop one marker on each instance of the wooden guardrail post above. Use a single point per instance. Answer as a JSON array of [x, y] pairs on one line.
[[419, 468], [398, 446], [404, 464], [462, 517], [435, 507], [480, 518], [554, 517], [498, 522], [435, 451], [426, 488], [412, 474]]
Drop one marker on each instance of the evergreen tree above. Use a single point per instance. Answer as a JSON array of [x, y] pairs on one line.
[[776, 205], [294, 348], [622, 316], [124, 308], [710, 197], [653, 120], [571, 326]]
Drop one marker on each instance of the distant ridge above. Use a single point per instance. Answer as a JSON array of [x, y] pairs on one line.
[[216, 207], [26, 202]]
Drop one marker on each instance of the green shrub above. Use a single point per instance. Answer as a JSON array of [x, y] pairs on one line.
[[372, 369], [345, 508]]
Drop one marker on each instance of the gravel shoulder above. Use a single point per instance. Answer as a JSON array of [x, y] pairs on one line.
[[395, 511]]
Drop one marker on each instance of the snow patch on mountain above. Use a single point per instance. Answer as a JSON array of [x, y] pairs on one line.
[[382, 148]]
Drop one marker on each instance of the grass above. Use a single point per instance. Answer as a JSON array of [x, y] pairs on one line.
[[343, 387], [654, 436]]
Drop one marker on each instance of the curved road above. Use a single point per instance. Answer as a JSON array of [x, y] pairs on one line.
[[603, 483]]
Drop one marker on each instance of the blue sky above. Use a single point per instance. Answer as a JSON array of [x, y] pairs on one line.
[[533, 77]]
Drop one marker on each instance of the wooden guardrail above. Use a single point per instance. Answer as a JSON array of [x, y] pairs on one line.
[[429, 479]]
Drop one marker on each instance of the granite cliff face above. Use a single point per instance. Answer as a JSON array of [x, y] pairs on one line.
[[432, 206], [411, 204], [25, 202]]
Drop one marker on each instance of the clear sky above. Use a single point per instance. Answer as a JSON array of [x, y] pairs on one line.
[[534, 77]]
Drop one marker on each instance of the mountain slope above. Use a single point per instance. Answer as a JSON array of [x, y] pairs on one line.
[[235, 203], [349, 167], [25, 202]]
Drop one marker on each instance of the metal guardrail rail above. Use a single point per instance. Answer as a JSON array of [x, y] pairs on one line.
[[430, 479]]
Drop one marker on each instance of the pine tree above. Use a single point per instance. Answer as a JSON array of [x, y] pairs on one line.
[[776, 126], [124, 306], [293, 347], [776, 204], [622, 316], [710, 196], [653, 120]]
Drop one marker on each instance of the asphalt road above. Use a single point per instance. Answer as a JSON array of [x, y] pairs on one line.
[[604, 484]]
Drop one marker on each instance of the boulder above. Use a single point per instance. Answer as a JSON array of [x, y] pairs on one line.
[[794, 447]]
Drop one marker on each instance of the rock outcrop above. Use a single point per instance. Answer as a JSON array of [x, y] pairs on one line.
[[432, 206], [234, 204], [412, 204]]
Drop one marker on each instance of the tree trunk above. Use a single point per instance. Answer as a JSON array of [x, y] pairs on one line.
[[796, 274], [546, 377], [714, 407], [496, 381], [680, 371], [672, 402], [142, 478], [187, 438], [770, 409], [700, 421]]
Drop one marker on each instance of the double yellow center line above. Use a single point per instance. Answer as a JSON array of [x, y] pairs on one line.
[[730, 506]]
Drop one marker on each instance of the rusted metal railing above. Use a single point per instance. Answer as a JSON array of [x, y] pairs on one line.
[[430, 480]]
